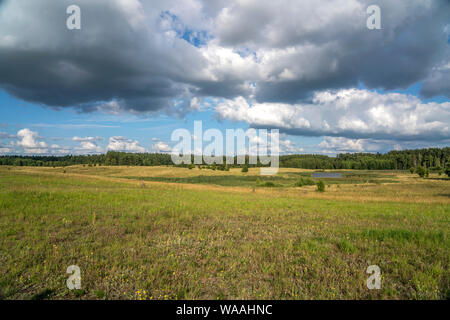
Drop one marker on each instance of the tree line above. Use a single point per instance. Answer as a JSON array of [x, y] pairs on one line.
[[431, 158]]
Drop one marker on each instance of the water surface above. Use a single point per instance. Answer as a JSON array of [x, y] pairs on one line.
[[327, 175]]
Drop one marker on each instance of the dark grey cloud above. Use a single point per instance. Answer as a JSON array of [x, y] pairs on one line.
[[407, 50], [438, 81], [437, 84], [114, 56], [131, 55]]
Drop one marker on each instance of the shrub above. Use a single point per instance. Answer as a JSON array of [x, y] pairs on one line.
[[244, 169], [420, 171], [447, 171], [191, 166], [320, 186], [305, 182], [412, 170], [269, 184]]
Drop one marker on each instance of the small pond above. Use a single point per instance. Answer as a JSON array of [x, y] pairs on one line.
[[327, 175]]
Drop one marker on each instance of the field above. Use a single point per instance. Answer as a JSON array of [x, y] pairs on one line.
[[175, 233]]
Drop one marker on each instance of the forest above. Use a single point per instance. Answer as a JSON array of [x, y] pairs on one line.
[[432, 158]]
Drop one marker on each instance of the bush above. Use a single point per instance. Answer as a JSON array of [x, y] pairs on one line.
[[305, 182], [421, 171], [244, 169], [412, 170], [269, 184], [191, 166], [320, 186], [447, 171]]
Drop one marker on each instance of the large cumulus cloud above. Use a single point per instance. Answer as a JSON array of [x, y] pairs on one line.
[[121, 54], [349, 113], [156, 55], [312, 46]]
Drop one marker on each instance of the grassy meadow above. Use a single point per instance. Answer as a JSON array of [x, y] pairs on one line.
[[175, 233]]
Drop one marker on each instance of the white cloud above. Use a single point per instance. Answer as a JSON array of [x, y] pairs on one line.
[[29, 140], [341, 145], [124, 144], [60, 150], [88, 145], [35, 151], [195, 104], [287, 146], [258, 146], [86, 139], [348, 113], [161, 147]]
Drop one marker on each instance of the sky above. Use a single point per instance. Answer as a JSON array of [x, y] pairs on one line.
[[137, 70]]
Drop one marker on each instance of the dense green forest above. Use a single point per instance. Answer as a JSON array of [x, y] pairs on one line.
[[433, 158]]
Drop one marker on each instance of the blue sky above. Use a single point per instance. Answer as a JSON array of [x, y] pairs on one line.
[[141, 69]]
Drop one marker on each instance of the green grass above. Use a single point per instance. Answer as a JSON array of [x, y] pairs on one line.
[[168, 242], [403, 235], [280, 180], [223, 180]]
